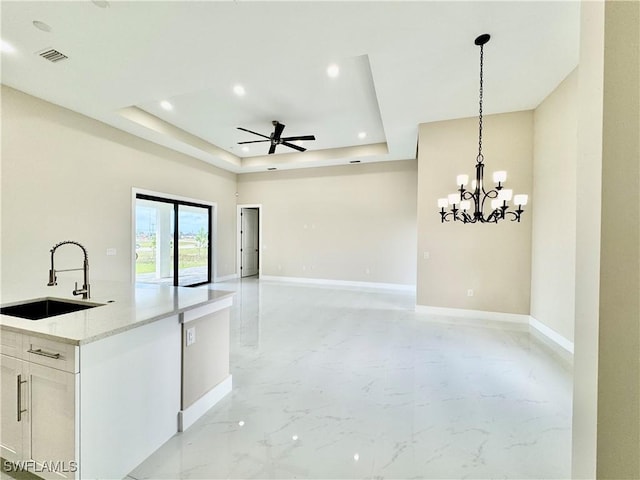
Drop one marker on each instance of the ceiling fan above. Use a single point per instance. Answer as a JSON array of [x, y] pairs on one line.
[[276, 139]]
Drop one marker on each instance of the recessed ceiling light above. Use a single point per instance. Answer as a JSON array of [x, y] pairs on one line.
[[239, 90], [333, 70], [245, 149], [166, 105], [362, 135], [41, 26], [6, 47], [100, 3]]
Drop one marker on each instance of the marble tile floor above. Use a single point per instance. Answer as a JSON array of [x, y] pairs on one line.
[[353, 383]]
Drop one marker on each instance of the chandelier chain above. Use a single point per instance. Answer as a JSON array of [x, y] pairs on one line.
[[480, 156]]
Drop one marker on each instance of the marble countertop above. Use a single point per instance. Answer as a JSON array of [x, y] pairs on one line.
[[124, 306]]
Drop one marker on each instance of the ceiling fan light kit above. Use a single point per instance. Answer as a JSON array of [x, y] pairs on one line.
[[276, 138], [465, 201]]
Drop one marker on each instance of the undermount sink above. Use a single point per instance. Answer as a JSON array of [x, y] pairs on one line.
[[49, 307]]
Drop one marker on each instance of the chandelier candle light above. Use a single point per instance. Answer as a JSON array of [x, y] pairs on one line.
[[461, 202]]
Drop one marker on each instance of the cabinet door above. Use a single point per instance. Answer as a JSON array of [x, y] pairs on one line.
[[52, 409], [15, 429]]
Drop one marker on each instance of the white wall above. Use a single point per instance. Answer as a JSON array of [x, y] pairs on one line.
[[553, 256], [349, 223], [588, 201], [68, 177]]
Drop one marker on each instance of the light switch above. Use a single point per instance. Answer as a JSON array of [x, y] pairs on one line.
[[191, 336], [111, 251]]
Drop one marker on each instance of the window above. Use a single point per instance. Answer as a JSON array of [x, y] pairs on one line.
[[172, 241]]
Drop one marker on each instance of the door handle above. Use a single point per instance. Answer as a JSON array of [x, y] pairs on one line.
[[19, 383]]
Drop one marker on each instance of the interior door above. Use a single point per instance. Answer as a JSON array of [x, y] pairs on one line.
[[249, 233]]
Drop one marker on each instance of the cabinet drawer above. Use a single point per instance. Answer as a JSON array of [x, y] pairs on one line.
[[52, 354], [11, 343]]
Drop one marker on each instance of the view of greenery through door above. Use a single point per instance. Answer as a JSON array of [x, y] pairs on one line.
[[160, 225]]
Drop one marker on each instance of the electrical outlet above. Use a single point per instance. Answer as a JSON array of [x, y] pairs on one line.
[[426, 255], [111, 251], [367, 271], [470, 293], [191, 336]]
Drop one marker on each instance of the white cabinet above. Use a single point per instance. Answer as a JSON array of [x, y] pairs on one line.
[[14, 432], [52, 415], [38, 407]]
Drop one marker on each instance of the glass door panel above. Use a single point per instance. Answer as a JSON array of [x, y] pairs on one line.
[[154, 241], [193, 245]]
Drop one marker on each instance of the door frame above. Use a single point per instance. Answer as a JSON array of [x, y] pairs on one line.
[[239, 208], [213, 228]]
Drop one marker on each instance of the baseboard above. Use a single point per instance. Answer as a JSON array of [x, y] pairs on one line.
[[340, 283], [474, 314], [188, 417], [552, 335], [480, 318], [225, 278]]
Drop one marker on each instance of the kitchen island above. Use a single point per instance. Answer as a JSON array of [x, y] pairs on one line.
[[91, 394]]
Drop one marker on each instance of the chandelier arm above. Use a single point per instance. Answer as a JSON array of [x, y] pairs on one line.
[[466, 195], [490, 194], [516, 215], [445, 215]]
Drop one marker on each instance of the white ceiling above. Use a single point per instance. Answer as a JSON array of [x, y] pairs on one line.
[[401, 64]]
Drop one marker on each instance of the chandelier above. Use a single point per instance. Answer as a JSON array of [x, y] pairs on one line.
[[468, 206]]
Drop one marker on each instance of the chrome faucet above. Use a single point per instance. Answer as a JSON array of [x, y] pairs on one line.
[[84, 291]]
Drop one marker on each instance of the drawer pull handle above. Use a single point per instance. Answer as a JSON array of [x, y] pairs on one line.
[[44, 354], [19, 385]]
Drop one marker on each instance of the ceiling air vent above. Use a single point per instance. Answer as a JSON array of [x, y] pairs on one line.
[[52, 55]]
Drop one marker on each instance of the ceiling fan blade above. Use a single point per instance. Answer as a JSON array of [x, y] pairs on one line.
[[303, 137], [254, 141], [255, 133], [278, 131], [295, 147], [272, 148]]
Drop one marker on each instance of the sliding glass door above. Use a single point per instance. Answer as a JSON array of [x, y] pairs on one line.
[[173, 241], [193, 244]]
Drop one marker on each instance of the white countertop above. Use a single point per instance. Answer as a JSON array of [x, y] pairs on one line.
[[132, 306]]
